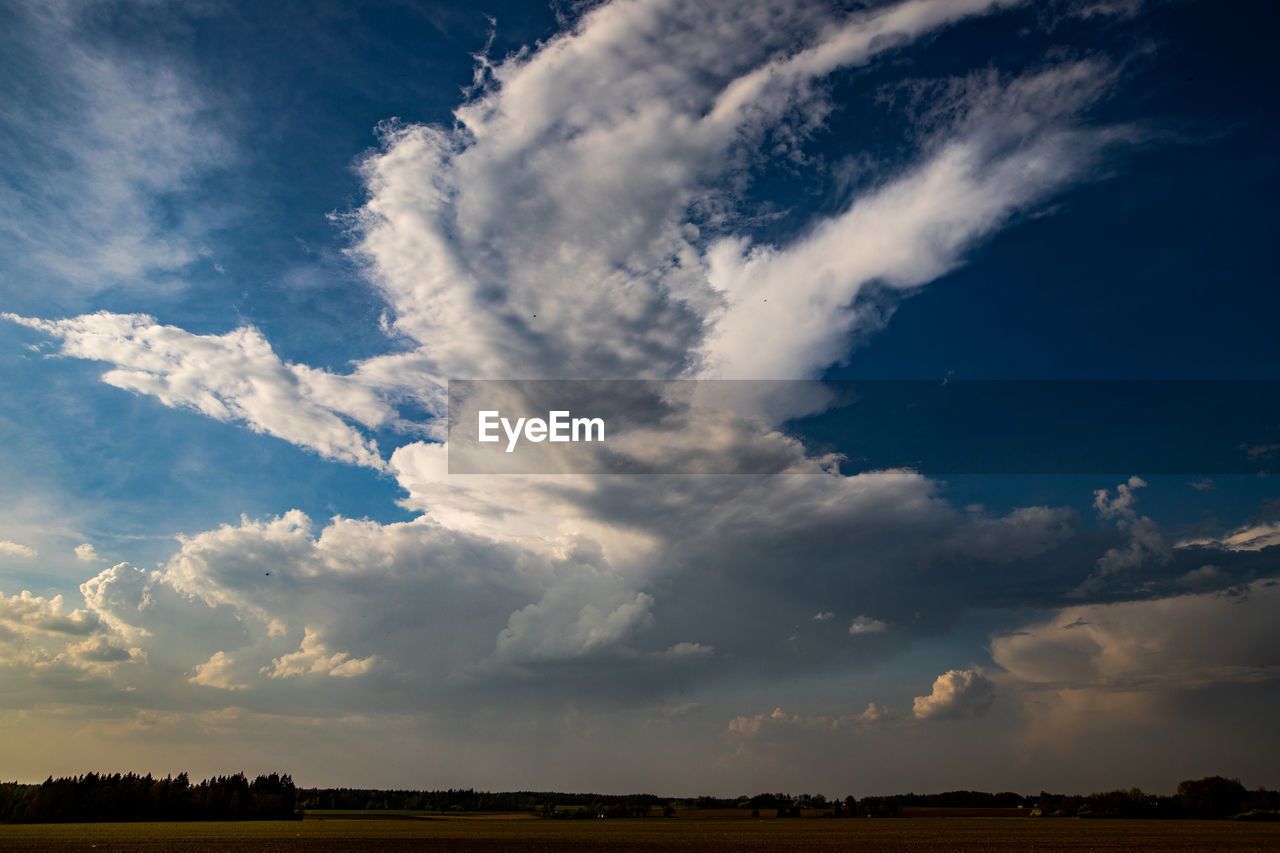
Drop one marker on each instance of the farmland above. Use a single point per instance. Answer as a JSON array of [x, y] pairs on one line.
[[714, 832]]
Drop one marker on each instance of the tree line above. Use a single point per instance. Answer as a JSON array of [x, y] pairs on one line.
[[115, 796], [107, 797]]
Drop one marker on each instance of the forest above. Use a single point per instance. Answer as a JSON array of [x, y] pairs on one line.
[[132, 797], [129, 796]]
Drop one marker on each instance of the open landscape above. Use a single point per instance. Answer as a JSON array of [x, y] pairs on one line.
[[639, 425]]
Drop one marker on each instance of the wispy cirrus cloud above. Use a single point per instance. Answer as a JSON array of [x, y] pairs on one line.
[[97, 142]]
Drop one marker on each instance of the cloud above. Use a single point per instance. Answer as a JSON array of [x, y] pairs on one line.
[[313, 657], [580, 220], [1145, 539], [117, 595], [690, 650], [1206, 575], [46, 647], [14, 549], [216, 672], [1251, 537], [31, 612], [868, 625], [591, 588], [1121, 506], [231, 377], [1169, 644], [98, 142], [574, 223], [752, 726], [87, 554], [779, 720], [566, 624], [957, 693], [99, 650], [583, 218]]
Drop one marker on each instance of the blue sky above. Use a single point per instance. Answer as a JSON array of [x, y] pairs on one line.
[[243, 247]]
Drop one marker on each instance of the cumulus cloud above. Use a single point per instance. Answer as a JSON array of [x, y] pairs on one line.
[[217, 672], [868, 625], [118, 595], [235, 377], [779, 720], [751, 726], [1145, 541], [1120, 506], [313, 657], [565, 625], [32, 612], [15, 549], [957, 693], [41, 637], [591, 587], [87, 554]]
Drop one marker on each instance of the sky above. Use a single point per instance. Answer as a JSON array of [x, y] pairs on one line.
[[244, 248]]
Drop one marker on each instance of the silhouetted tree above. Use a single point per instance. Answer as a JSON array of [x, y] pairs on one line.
[[1212, 797]]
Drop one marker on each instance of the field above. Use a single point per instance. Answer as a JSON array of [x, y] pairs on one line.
[[686, 833]]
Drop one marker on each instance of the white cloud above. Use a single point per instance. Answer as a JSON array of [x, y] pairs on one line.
[[39, 637], [573, 223], [32, 612], [217, 671], [572, 620], [823, 616], [313, 657], [117, 595], [15, 549], [868, 625], [230, 377], [790, 310], [957, 693], [86, 553]]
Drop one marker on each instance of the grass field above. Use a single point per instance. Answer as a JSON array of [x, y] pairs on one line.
[[678, 834]]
